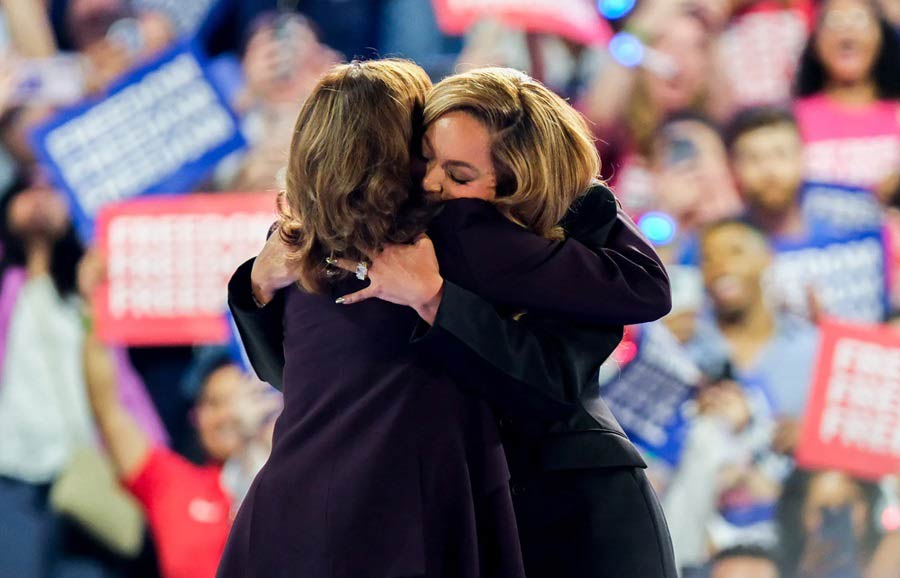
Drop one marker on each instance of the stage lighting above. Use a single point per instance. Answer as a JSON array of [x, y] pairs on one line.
[[615, 9], [659, 228]]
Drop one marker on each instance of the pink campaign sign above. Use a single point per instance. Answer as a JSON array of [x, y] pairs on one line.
[[858, 146], [169, 260], [576, 20], [852, 422]]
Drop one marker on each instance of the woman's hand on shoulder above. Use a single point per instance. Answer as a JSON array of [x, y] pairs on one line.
[[402, 274], [273, 269]]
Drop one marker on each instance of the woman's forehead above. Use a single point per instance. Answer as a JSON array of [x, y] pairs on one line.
[[460, 138], [457, 128]]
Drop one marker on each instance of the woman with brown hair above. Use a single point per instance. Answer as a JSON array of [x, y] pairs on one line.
[[382, 465], [379, 466]]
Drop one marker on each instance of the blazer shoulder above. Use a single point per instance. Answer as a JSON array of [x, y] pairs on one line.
[[592, 216], [459, 214]]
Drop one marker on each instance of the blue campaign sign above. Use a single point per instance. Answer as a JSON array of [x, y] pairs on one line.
[[187, 16], [652, 395], [160, 129], [841, 208], [848, 275]]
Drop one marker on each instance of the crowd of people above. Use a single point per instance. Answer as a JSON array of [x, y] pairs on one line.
[[749, 139]]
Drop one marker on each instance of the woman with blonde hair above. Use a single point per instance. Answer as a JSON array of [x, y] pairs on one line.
[[584, 507], [383, 463]]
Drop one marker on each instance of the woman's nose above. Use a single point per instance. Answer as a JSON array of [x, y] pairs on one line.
[[431, 183]]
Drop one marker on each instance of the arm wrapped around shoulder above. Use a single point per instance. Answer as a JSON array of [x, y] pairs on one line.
[[621, 282]]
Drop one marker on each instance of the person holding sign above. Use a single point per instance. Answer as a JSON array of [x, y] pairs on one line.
[[45, 418], [535, 368], [767, 162], [729, 475], [827, 239], [847, 97]]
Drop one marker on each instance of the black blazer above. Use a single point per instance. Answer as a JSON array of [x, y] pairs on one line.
[[537, 369]]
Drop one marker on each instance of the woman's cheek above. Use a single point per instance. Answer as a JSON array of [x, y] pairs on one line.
[[450, 189], [453, 191]]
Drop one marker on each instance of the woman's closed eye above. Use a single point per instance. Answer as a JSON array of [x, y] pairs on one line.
[[458, 180]]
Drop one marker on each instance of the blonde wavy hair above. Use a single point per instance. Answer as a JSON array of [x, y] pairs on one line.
[[542, 149], [348, 187]]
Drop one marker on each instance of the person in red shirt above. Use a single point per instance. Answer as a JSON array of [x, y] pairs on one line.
[[188, 508]]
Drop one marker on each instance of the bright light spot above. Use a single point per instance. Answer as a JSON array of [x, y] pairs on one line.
[[626, 49], [615, 9], [658, 227]]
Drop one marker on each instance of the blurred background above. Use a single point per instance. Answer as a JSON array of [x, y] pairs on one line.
[[756, 143]]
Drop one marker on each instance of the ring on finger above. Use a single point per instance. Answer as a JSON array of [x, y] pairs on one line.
[[362, 270]]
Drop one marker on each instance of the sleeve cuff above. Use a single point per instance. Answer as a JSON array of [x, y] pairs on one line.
[[452, 302], [240, 289]]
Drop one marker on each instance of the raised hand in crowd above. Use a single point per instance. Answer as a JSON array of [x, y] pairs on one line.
[[29, 26], [725, 400], [651, 16], [612, 93], [156, 33], [679, 191], [837, 521], [256, 405], [105, 61], [787, 435], [690, 166], [491, 43], [283, 61], [128, 445], [692, 178]]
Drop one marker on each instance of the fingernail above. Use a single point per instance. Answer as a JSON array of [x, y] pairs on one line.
[[340, 300]]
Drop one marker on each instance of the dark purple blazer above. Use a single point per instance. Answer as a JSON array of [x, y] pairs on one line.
[[536, 370], [382, 463]]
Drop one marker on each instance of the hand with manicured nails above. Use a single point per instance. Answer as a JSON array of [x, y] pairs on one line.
[[402, 274]]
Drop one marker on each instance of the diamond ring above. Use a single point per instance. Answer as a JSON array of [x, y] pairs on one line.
[[362, 270]]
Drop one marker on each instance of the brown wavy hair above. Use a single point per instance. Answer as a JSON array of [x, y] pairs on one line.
[[348, 186], [542, 149]]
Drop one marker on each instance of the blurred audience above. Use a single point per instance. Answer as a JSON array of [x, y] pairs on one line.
[[767, 160], [815, 158], [690, 173], [725, 487], [629, 101], [759, 50], [44, 415], [772, 351], [848, 90], [189, 508], [828, 526]]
